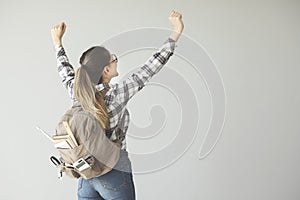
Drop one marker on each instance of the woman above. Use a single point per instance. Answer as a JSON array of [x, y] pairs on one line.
[[91, 88]]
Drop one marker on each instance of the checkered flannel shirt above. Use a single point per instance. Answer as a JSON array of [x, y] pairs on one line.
[[118, 94]]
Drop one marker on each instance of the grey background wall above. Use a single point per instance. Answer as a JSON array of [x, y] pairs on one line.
[[254, 44]]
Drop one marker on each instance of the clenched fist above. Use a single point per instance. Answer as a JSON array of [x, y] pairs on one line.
[[57, 33], [176, 20]]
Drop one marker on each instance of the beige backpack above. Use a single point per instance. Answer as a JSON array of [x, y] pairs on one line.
[[84, 149]]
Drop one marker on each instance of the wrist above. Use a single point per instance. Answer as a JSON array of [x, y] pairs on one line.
[[175, 35], [57, 42], [57, 45], [178, 30]]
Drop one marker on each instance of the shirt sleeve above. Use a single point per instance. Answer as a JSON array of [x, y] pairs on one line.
[[130, 86], [65, 71]]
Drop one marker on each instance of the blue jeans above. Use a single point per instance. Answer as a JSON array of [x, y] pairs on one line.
[[114, 185]]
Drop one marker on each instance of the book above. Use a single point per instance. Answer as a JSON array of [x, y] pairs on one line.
[[44, 133], [62, 145], [67, 127], [67, 141], [59, 137], [63, 140]]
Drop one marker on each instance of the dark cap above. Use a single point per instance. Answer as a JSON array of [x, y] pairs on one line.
[[93, 61]]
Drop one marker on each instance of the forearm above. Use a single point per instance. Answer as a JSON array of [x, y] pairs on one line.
[[158, 59], [154, 64], [57, 43], [178, 26], [175, 35], [65, 69], [130, 86]]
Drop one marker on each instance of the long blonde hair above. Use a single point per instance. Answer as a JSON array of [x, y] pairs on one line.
[[91, 100]]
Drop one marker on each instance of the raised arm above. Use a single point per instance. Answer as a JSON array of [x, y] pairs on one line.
[[130, 86], [178, 26], [65, 69]]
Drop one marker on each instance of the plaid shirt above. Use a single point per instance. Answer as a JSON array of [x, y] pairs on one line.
[[118, 94]]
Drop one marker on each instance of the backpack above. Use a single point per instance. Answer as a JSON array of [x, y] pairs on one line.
[[85, 150]]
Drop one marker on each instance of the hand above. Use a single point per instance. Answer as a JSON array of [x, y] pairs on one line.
[[57, 33], [176, 20]]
